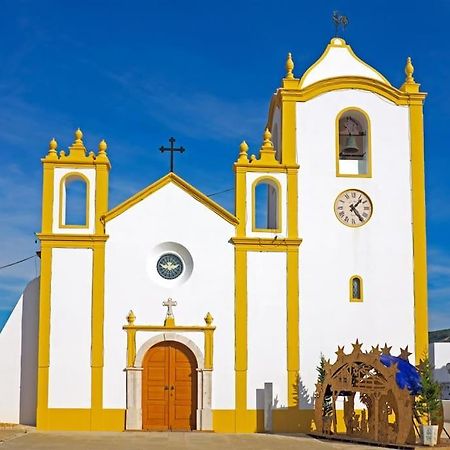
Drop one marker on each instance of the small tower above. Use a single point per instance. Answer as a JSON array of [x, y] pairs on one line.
[[74, 200]]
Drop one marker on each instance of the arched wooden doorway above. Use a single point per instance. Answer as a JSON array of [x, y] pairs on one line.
[[169, 387]]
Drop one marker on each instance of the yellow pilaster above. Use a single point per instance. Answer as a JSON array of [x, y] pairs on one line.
[[44, 337], [419, 231], [292, 331], [288, 130], [209, 342], [415, 102], [98, 283], [240, 332], [240, 200]]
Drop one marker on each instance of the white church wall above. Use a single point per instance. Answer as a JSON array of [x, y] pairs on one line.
[[380, 251], [169, 219], [70, 329], [266, 312], [18, 353], [58, 202], [251, 178], [10, 354]]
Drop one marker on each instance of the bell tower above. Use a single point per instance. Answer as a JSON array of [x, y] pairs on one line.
[[70, 351]]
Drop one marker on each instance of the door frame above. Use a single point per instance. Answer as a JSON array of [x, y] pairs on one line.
[[134, 383]]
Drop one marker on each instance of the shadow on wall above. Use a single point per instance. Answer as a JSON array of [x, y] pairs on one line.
[[29, 353]]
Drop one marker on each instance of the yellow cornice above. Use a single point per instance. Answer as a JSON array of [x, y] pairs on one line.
[[266, 244], [54, 238], [368, 84], [171, 178]]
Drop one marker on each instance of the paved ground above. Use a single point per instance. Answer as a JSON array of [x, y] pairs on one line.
[[164, 441]]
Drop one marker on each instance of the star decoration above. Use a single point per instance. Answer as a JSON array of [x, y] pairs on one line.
[[375, 350], [386, 350], [404, 353], [422, 365], [340, 352], [357, 346]]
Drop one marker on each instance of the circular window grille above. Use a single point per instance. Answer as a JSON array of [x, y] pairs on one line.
[[169, 266]]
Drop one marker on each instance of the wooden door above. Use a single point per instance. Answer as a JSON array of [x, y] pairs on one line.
[[169, 388]]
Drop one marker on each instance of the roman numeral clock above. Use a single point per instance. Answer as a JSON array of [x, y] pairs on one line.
[[353, 207]]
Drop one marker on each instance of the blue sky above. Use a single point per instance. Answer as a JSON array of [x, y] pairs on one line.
[[137, 72]]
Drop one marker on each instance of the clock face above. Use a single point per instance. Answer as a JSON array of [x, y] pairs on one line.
[[353, 208], [169, 266]]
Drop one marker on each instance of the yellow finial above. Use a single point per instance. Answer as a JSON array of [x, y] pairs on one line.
[[409, 70], [131, 317], [209, 319], [78, 135], [289, 66], [267, 136], [53, 145], [102, 146], [243, 149]]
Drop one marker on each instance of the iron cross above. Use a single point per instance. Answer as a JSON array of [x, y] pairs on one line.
[[171, 149], [169, 303]]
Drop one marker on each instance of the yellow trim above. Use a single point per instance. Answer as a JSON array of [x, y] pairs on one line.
[[62, 194], [171, 178], [369, 144], [240, 200], [101, 195], [78, 419], [240, 317], [292, 324], [357, 225], [361, 289], [262, 180], [208, 333], [342, 44], [419, 232], [44, 338], [47, 197], [255, 244], [97, 324]]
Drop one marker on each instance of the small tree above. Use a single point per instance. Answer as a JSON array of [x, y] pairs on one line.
[[428, 402], [327, 403]]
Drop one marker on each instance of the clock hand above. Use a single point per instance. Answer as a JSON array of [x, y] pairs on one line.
[[354, 210]]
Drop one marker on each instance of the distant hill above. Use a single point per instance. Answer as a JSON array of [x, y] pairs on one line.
[[439, 336]]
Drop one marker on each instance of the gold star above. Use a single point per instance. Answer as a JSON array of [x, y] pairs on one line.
[[340, 352], [375, 350], [404, 354], [357, 346], [386, 350]]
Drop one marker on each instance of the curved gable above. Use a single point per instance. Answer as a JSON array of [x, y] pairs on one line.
[[339, 60]]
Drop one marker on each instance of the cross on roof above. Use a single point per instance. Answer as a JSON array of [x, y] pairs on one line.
[[171, 149], [169, 303]]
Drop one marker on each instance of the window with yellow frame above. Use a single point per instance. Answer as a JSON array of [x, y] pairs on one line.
[[356, 288], [353, 144], [266, 205], [74, 201]]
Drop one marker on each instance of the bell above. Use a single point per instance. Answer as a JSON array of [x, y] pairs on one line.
[[350, 146]]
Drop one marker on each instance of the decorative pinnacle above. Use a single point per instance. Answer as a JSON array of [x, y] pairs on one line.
[[409, 70], [289, 66], [243, 148], [131, 317], [208, 319], [102, 146], [267, 143], [78, 135], [53, 145]]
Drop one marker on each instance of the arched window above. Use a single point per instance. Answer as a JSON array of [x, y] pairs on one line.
[[74, 195], [266, 205], [353, 156], [356, 289]]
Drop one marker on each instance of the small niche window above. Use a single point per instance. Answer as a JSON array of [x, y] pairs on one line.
[[356, 289], [353, 144], [74, 201], [266, 209]]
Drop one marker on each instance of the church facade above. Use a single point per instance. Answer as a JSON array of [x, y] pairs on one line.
[[168, 312]]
